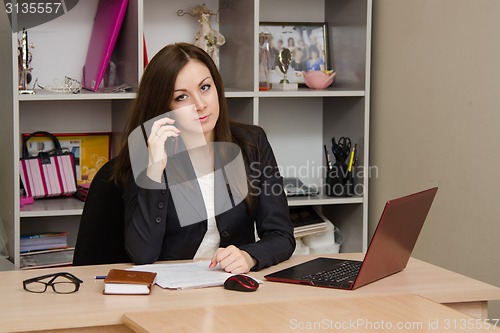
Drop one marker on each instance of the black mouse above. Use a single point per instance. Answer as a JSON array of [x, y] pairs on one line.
[[240, 282]]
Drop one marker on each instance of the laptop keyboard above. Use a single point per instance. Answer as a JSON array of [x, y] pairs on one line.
[[346, 271]]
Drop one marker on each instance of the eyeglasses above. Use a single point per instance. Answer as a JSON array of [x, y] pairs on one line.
[[61, 283]]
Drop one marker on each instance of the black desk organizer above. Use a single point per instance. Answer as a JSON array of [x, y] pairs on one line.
[[340, 175]]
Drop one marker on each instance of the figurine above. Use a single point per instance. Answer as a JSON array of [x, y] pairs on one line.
[[208, 39], [23, 63]]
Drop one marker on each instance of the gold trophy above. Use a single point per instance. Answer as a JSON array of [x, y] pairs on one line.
[[284, 61]]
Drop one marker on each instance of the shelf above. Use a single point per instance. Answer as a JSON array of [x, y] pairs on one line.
[[42, 95], [306, 92], [301, 92], [232, 93], [71, 206], [53, 207], [322, 200], [298, 123]]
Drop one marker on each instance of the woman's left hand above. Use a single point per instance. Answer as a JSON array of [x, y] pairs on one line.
[[233, 260]]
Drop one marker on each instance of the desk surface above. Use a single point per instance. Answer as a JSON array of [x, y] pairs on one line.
[[24, 311], [395, 313]]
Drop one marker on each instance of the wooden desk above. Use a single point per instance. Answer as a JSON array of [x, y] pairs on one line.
[[395, 313], [24, 311]]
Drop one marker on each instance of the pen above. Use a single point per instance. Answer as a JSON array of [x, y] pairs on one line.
[[327, 156], [100, 277], [351, 161]]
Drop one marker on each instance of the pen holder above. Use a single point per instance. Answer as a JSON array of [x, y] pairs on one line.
[[339, 181]]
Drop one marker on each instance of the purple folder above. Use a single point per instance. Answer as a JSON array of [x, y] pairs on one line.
[[107, 24]]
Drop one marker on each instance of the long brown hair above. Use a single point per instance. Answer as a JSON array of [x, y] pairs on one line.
[[155, 94]]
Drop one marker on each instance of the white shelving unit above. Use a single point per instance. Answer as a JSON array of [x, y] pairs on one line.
[[298, 123]]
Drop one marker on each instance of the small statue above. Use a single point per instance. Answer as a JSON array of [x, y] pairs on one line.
[[208, 39], [23, 63], [284, 61]]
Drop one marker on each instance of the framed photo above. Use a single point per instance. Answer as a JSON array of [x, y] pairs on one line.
[[308, 43], [91, 150]]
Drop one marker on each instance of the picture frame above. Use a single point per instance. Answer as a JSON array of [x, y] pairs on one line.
[[91, 150], [303, 39]]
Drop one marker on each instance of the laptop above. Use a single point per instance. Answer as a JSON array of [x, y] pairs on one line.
[[295, 187], [388, 252]]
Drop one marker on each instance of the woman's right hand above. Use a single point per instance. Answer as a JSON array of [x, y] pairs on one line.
[[161, 130]]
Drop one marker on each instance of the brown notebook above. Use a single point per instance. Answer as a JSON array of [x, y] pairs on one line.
[[123, 282]]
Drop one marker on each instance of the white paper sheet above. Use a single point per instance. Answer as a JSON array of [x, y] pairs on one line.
[[186, 275]]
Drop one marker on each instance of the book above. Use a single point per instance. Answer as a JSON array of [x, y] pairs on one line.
[[82, 192], [48, 258], [306, 220], [145, 53], [43, 241], [128, 282]]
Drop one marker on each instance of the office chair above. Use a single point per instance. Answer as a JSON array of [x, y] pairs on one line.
[[100, 237]]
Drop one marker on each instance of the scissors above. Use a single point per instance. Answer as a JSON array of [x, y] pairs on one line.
[[345, 144], [342, 148]]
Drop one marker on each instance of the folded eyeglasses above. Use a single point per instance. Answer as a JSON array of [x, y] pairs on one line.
[[61, 283]]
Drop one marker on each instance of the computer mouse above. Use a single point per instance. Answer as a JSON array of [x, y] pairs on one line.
[[240, 282]]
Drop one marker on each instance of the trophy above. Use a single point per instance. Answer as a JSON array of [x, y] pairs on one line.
[[284, 61], [23, 61]]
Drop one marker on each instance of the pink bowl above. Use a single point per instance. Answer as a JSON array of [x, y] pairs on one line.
[[318, 79]]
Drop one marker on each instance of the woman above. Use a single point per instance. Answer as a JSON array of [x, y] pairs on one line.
[[315, 62], [183, 77]]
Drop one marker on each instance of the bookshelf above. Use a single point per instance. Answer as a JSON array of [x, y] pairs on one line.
[[298, 123]]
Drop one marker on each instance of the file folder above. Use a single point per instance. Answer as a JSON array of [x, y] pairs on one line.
[[107, 23]]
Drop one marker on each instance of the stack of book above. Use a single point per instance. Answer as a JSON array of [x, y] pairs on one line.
[[45, 250], [306, 220]]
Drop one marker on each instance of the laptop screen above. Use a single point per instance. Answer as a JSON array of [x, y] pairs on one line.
[[395, 236]]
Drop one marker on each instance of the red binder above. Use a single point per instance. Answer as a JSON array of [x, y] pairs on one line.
[[107, 24]]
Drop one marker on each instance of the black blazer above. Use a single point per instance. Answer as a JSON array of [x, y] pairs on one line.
[[153, 230]]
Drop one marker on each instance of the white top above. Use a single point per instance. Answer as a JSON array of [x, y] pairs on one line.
[[211, 241]]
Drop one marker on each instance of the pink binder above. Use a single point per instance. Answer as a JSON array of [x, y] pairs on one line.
[[107, 24]]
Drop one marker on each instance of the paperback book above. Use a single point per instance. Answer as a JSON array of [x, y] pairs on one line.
[[43, 241], [306, 220], [48, 258]]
